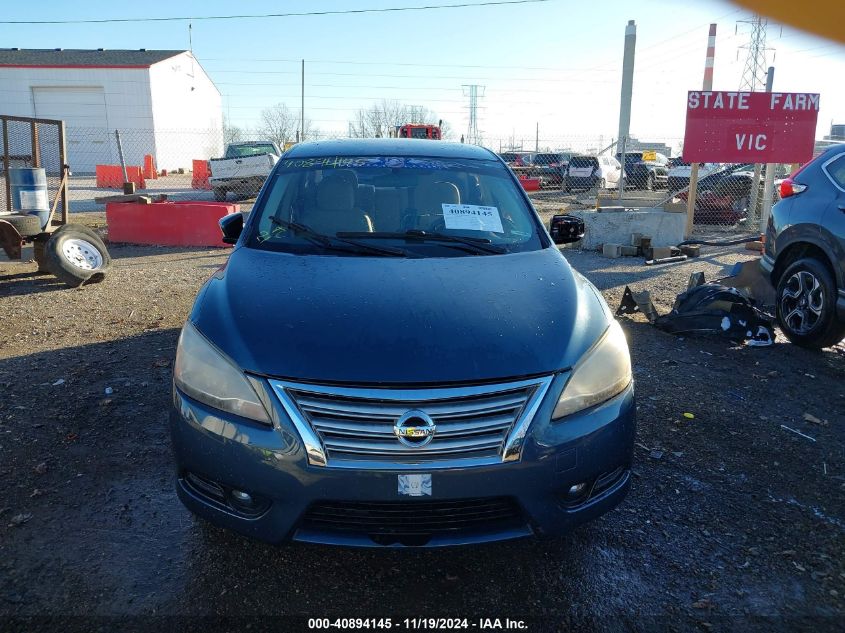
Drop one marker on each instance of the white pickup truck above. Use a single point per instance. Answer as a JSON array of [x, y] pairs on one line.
[[243, 169]]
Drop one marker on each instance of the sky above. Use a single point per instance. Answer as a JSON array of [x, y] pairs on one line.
[[555, 66]]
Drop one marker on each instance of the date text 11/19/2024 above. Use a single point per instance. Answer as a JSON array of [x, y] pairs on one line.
[[413, 624]]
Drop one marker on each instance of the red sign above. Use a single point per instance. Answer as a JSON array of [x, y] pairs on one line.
[[750, 127]]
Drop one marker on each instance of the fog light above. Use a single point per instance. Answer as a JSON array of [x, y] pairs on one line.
[[577, 490], [242, 497]]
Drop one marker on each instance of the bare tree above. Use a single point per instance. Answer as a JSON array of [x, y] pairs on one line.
[[280, 124], [231, 133], [381, 119]]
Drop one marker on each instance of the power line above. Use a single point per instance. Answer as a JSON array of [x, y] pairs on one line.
[[461, 5], [754, 72]]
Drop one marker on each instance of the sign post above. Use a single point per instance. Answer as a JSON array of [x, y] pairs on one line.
[[769, 182], [755, 182], [707, 84]]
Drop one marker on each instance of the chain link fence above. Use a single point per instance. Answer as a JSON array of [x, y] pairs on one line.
[[561, 173]]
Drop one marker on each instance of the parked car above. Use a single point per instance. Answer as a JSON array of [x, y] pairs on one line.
[[725, 202], [516, 159], [724, 197], [592, 172], [365, 371], [805, 252], [243, 169], [649, 173], [550, 167], [677, 177]]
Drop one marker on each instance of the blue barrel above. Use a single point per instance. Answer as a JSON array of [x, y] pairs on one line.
[[29, 192]]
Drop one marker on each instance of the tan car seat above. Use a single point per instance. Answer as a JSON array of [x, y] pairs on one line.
[[430, 200], [335, 209]]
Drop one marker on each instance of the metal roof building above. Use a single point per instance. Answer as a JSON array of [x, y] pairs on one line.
[[162, 102]]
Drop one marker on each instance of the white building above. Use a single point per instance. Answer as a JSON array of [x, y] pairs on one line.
[[162, 102]]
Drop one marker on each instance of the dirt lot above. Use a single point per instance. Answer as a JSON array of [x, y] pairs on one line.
[[733, 522]]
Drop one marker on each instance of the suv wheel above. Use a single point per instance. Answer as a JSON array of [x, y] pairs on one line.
[[806, 305]]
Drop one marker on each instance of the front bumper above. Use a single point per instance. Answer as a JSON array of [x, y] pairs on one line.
[[244, 183], [593, 447]]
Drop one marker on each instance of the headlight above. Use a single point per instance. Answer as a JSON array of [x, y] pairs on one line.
[[602, 373], [206, 374]]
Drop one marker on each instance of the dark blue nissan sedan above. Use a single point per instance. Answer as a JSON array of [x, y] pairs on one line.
[[396, 354]]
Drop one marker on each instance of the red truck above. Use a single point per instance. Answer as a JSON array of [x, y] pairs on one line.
[[418, 130]]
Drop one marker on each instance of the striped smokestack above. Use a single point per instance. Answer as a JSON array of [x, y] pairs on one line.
[[708, 63]]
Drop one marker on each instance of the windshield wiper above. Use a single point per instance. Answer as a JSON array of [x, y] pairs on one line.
[[473, 244], [337, 243]]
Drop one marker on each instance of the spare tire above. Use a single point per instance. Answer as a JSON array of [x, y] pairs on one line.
[[81, 228], [26, 225], [76, 257]]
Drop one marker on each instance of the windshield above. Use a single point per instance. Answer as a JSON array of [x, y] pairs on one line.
[[631, 157], [547, 159], [584, 161], [379, 200], [240, 151]]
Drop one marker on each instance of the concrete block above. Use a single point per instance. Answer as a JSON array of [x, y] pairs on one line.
[[756, 245], [636, 239], [612, 250], [630, 251], [664, 228], [691, 250], [659, 252]]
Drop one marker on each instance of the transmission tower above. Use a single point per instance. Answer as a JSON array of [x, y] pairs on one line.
[[473, 91], [754, 72]]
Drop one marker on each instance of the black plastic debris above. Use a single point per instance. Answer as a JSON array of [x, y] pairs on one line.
[[566, 226], [706, 308], [633, 302]]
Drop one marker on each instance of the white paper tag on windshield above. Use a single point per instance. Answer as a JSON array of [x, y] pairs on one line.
[[415, 485], [470, 217]]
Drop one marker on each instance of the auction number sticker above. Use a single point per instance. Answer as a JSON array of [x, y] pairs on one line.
[[471, 217]]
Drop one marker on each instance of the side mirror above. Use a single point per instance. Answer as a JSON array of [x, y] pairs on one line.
[[232, 226], [566, 229]]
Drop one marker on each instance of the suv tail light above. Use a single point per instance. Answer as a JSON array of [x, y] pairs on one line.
[[790, 188]]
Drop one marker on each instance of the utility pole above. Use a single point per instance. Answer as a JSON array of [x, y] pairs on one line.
[[707, 86], [769, 182], [473, 91], [537, 138], [758, 168], [625, 98], [302, 105]]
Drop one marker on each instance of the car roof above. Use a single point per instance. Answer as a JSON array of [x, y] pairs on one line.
[[388, 147]]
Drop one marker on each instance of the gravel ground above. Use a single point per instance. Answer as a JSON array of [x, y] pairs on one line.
[[732, 523]]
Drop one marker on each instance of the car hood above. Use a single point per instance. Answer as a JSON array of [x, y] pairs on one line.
[[379, 320]]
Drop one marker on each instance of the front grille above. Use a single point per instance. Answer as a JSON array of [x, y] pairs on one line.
[[414, 517], [352, 426]]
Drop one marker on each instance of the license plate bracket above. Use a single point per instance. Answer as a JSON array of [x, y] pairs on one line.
[[415, 485]]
